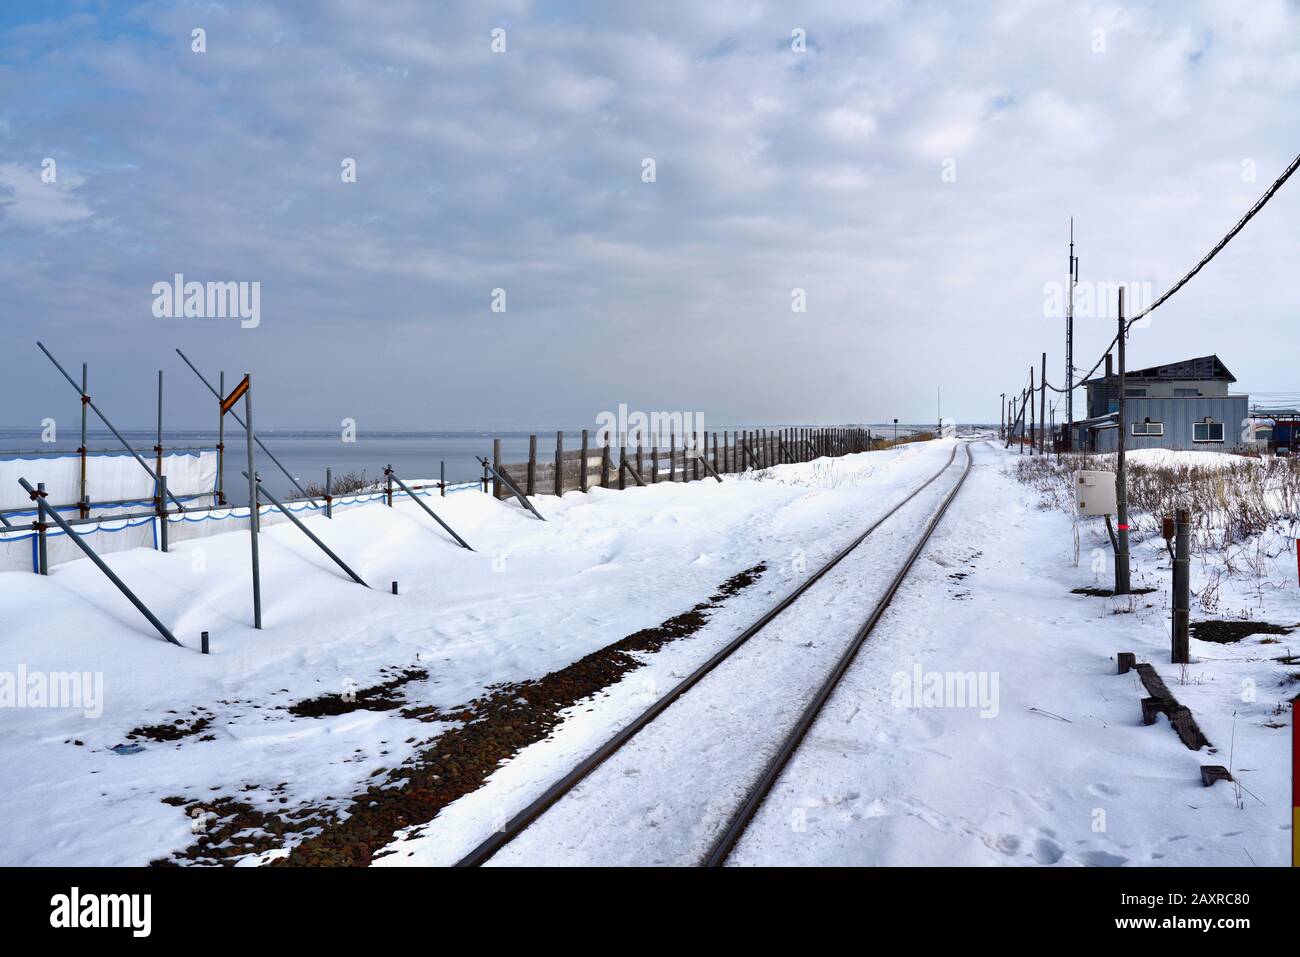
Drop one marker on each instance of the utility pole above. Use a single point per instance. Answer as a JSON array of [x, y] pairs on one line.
[[1002, 432], [1121, 484], [1031, 410], [1020, 419], [1069, 345], [1042, 410]]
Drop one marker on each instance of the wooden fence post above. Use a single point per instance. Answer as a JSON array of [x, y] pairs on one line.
[[496, 466], [604, 462], [559, 463], [582, 472], [622, 460], [532, 465]]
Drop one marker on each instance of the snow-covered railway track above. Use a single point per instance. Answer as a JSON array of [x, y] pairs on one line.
[[753, 797]]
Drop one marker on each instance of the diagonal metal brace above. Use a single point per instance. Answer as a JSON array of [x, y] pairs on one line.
[[509, 483], [305, 530], [85, 399], [260, 444], [99, 563], [430, 512]]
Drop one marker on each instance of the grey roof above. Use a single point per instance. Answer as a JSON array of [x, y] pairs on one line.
[[1204, 367]]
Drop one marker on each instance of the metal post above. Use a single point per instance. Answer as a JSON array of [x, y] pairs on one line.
[[1182, 586], [260, 444], [42, 552], [388, 473], [1121, 483], [430, 512], [158, 447], [252, 506], [329, 493], [162, 513], [442, 478], [94, 408], [83, 509], [306, 531], [221, 444], [203, 643], [99, 563], [1002, 431]]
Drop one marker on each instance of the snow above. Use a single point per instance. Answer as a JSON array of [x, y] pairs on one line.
[[533, 597], [875, 782]]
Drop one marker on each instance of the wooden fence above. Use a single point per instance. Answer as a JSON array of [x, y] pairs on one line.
[[597, 463]]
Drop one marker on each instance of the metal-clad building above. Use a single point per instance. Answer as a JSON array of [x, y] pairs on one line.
[[1183, 405]]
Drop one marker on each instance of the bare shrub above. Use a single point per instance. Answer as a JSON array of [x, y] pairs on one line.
[[345, 485], [1230, 502]]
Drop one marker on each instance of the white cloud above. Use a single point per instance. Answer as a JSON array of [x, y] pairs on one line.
[[26, 200]]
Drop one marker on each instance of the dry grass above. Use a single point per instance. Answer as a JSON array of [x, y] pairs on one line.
[[344, 485], [1230, 502]]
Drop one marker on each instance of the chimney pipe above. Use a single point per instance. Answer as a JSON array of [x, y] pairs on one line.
[[1110, 369]]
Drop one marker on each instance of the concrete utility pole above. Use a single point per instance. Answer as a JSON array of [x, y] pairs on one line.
[[1002, 432], [1042, 410], [1121, 484], [1020, 419], [1031, 410], [1069, 343]]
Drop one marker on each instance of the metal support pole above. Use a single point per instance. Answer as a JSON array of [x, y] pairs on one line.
[[430, 512], [221, 445], [158, 447], [260, 444], [83, 509], [93, 408], [329, 493], [442, 478], [99, 563], [252, 505], [162, 514], [42, 548], [306, 531], [1121, 481], [502, 478], [1182, 586]]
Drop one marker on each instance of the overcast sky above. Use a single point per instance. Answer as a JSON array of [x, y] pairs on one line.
[[912, 170]]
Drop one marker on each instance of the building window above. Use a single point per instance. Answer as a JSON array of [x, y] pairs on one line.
[[1148, 428], [1187, 393], [1207, 431], [1135, 393]]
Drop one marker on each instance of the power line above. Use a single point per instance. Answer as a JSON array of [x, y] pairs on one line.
[[1218, 247]]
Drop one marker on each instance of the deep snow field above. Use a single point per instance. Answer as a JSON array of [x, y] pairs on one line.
[[1078, 781]]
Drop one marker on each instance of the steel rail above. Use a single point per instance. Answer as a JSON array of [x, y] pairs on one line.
[[516, 825], [740, 820]]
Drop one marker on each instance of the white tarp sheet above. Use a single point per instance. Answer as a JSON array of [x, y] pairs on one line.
[[109, 478]]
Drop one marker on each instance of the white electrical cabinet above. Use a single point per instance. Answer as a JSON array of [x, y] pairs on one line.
[[1094, 493]]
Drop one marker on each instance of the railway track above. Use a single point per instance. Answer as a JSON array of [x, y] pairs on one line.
[[746, 810]]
